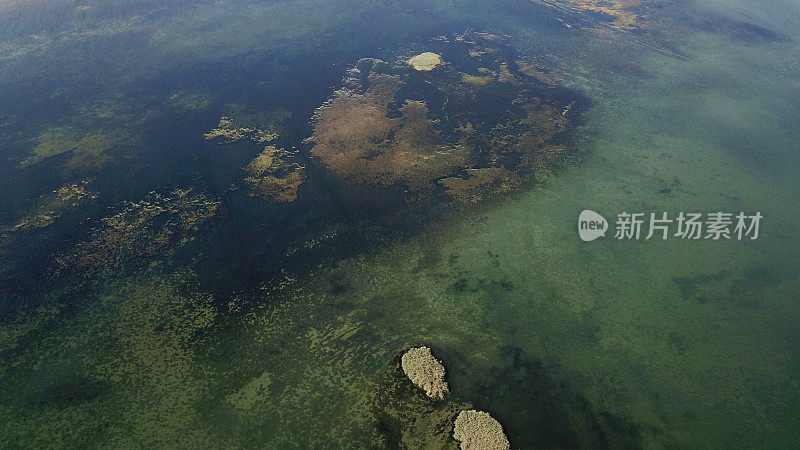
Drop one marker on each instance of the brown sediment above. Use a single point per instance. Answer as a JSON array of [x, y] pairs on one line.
[[535, 72], [477, 80], [620, 10], [355, 139], [505, 75], [264, 161], [480, 184], [279, 189], [385, 135]]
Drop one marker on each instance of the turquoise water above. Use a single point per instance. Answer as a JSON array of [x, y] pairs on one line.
[[230, 321]]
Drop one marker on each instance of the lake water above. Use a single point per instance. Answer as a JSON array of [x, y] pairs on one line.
[[149, 300]]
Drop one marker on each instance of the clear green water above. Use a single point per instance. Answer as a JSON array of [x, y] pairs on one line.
[[234, 338]]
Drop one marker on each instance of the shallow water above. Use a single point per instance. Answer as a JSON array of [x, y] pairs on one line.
[[275, 325]]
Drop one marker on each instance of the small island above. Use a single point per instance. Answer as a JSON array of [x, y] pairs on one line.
[[425, 62]]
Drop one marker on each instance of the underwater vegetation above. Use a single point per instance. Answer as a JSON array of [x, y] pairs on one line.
[[86, 152], [228, 132], [140, 232], [478, 125], [274, 174], [51, 206]]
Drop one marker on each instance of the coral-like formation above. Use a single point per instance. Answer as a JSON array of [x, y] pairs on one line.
[[260, 127], [621, 10], [52, 206], [480, 184], [264, 161], [279, 189], [425, 371], [385, 129], [536, 72], [229, 132], [476, 430], [425, 62], [141, 231], [477, 80], [356, 139], [273, 174]]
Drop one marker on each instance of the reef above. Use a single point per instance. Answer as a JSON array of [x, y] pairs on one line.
[[480, 184], [228, 132], [425, 371], [478, 430], [274, 174], [140, 232], [481, 126], [355, 138], [622, 11], [536, 72], [50, 207], [425, 62], [279, 189]]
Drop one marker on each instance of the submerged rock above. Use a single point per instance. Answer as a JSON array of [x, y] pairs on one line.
[[355, 138], [478, 430], [425, 371], [425, 62], [390, 130]]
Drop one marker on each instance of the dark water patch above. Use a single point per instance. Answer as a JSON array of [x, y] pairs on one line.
[[537, 407], [71, 391], [741, 289], [468, 283], [338, 282], [678, 341], [696, 287], [735, 29]]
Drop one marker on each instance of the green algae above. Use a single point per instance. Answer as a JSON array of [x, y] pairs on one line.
[[87, 152], [121, 372]]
